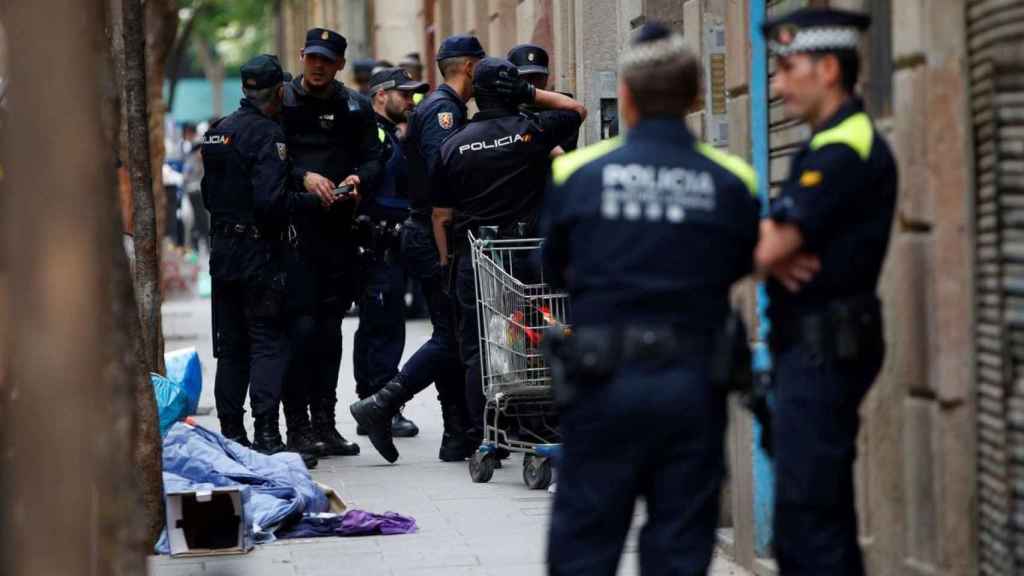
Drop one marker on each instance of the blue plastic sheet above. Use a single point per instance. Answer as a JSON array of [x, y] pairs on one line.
[[171, 401], [183, 367], [277, 487]]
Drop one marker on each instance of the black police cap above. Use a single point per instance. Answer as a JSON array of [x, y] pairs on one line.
[[396, 79], [529, 59], [490, 70], [650, 32], [263, 71], [815, 30], [327, 43], [460, 45]]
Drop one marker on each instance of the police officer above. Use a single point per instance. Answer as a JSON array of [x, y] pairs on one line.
[[332, 136], [532, 62], [362, 69], [835, 208], [440, 114], [245, 188], [380, 339], [647, 233], [503, 140]]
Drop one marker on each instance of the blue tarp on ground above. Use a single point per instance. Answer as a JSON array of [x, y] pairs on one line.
[[278, 486], [183, 366]]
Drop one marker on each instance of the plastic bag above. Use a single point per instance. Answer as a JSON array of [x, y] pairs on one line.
[[184, 368], [171, 401]]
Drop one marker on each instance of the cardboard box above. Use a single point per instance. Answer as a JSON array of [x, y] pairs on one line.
[[208, 521]]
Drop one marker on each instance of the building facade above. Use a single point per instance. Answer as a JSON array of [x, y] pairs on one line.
[[941, 467]]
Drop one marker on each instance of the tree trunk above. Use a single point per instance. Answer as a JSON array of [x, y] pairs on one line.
[[69, 500], [126, 356], [177, 57], [161, 29], [147, 254], [213, 69]]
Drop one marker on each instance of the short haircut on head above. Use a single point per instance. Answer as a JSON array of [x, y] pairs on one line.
[[450, 65], [661, 73], [849, 69]]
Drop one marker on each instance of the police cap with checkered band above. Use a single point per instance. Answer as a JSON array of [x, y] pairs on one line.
[[815, 30]]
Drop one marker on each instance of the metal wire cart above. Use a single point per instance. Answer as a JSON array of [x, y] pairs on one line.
[[514, 309]]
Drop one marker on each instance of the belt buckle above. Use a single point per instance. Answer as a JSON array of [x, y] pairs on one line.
[[238, 228]]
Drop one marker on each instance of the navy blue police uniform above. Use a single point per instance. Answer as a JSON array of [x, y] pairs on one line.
[[440, 114], [245, 187], [380, 339], [335, 135], [647, 233], [532, 61], [827, 338], [493, 172]]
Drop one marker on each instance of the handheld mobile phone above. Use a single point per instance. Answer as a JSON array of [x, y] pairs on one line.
[[343, 190]]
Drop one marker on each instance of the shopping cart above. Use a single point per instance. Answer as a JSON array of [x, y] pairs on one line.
[[514, 309]]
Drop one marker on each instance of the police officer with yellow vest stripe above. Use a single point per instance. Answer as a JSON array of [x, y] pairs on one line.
[[380, 339], [647, 233], [836, 208]]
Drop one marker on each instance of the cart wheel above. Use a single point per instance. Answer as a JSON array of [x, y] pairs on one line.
[[536, 472], [481, 467]]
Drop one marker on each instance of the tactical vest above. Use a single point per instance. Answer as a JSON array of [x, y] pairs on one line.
[[390, 196]]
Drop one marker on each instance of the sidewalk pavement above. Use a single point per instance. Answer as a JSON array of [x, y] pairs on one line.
[[465, 529]]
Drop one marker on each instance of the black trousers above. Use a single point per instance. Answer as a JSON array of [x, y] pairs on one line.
[[380, 339], [314, 333], [250, 346]]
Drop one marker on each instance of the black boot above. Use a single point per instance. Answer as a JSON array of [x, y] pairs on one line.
[[234, 431], [455, 446], [334, 443], [267, 437], [302, 440], [376, 413], [402, 427]]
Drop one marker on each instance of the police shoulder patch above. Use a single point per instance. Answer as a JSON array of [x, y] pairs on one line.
[[282, 150], [446, 120], [810, 178]]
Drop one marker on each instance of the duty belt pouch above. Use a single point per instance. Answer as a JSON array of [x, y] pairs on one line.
[[816, 337], [730, 369], [594, 355], [854, 323]]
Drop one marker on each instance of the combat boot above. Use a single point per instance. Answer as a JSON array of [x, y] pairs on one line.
[[325, 431], [267, 436], [402, 427], [234, 431], [455, 446], [376, 414]]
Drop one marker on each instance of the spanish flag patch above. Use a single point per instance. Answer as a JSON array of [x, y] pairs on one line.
[[810, 178]]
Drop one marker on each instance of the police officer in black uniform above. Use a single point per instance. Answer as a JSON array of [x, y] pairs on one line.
[[648, 233], [362, 69], [245, 188], [500, 140], [836, 208], [532, 62], [438, 116], [380, 339], [332, 137]]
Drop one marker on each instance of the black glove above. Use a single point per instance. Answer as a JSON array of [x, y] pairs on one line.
[[516, 91]]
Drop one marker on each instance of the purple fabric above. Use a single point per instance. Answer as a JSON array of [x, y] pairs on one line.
[[349, 523]]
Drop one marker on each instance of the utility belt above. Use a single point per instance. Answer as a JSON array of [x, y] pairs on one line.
[[377, 238], [593, 354], [421, 216], [844, 329], [229, 230]]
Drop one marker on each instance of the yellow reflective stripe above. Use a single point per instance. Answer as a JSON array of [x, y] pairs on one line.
[[733, 164], [381, 134], [564, 166], [417, 98], [856, 132]]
